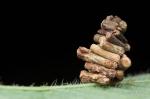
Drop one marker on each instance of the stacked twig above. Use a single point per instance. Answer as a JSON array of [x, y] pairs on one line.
[[106, 60]]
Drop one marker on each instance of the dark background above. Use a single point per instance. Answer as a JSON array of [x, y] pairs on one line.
[[39, 43]]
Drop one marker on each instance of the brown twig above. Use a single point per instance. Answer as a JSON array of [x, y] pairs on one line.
[[106, 54], [106, 61], [87, 77], [86, 55], [107, 45]]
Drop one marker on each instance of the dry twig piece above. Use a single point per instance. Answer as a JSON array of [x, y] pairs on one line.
[[87, 77], [91, 67], [97, 37], [119, 75], [106, 54], [116, 41], [125, 62], [122, 38], [112, 23], [110, 73], [113, 48], [108, 46], [86, 55]]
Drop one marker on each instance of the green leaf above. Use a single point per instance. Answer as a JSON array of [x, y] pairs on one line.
[[132, 87]]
